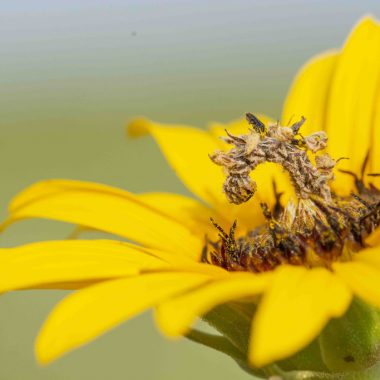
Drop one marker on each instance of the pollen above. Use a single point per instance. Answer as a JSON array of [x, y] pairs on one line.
[[317, 228]]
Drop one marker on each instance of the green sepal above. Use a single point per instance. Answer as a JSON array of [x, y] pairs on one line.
[[347, 348], [309, 359], [351, 342], [233, 320]]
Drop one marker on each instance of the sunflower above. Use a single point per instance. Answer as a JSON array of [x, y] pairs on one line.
[[292, 239]]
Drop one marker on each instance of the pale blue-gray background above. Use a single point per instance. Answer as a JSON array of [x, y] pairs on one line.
[[73, 72]]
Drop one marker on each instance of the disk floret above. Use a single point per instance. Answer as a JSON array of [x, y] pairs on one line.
[[319, 227]]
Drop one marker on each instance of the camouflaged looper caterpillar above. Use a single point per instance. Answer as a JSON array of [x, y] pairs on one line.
[[317, 229]]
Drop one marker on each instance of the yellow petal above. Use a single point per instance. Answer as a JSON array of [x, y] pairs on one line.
[[187, 151], [363, 278], [201, 268], [169, 257], [88, 313], [294, 310], [176, 316], [308, 96], [52, 263], [353, 95], [374, 164], [187, 211], [265, 176], [106, 209], [373, 240], [371, 256], [196, 216]]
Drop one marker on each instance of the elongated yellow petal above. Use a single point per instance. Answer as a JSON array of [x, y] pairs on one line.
[[363, 278], [43, 189], [176, 316], [211, 270], [106, 209], [294, 310], [170, 257], [196, 216], [371, 256], [88, 313], [374, 164], [269, 178], [373, 240], [187, 150], [353, 95], [309, 94], [189, 212], [71, 261]]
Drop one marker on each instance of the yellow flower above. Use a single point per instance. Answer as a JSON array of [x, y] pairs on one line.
[[337, 92]]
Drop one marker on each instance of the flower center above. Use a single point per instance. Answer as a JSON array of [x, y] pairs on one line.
[[318, 228]]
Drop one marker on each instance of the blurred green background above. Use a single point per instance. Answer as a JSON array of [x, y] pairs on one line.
[[73, 72]]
